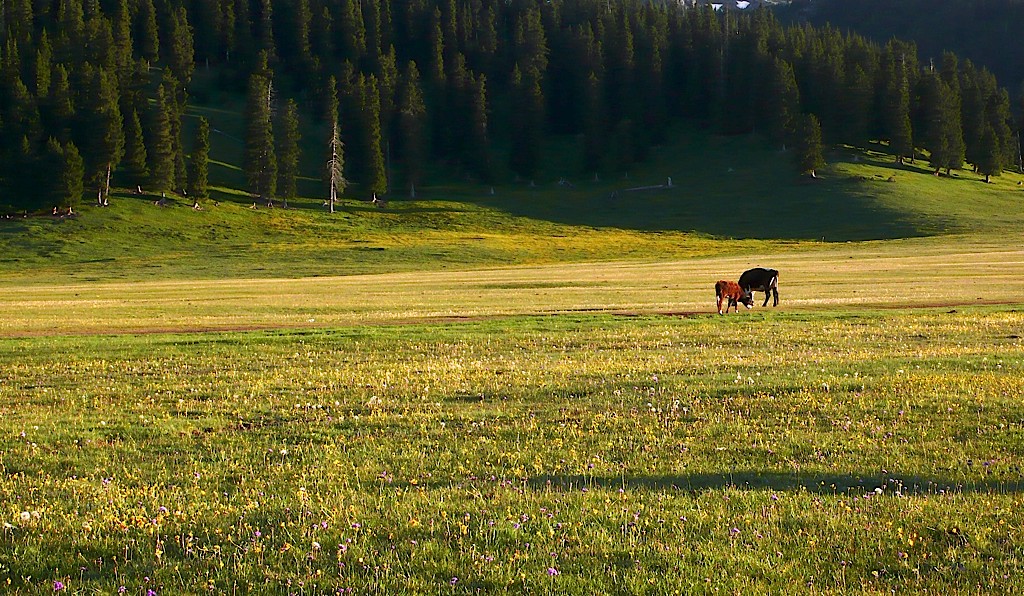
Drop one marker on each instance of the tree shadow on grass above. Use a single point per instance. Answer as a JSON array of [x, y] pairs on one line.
[[725, 187], [824, 484], [828, 209]]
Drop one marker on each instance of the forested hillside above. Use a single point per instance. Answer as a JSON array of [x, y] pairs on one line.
[[987, 32], [95, 93]]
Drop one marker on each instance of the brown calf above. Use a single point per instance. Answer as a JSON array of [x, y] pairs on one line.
[[732, 294]]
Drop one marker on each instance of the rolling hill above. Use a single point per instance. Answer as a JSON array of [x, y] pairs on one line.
[[728, 195]]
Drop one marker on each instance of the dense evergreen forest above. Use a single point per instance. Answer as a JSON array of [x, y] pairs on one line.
[[94, 92], [983, 31]]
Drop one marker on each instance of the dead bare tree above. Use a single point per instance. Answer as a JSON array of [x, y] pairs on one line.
[[336, 166]]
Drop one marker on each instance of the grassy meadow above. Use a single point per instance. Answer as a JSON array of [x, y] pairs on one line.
[[526, 391], [786, 451]]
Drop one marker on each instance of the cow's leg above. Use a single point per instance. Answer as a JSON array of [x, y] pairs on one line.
[[775, 295], [767, 295], [720, 305]]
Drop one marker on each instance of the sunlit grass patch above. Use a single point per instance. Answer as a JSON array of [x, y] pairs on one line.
[[857, 451]]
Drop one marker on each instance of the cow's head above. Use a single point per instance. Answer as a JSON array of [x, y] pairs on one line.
[[747, 299]]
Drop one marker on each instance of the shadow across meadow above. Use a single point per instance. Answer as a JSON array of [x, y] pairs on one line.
[[823, 484], [823, 209]]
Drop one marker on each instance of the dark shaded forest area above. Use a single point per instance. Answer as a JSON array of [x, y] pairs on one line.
[[94, 92], [987, 32]]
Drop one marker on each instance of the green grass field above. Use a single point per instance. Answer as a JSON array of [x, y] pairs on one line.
[[523, 392], [784, 452]]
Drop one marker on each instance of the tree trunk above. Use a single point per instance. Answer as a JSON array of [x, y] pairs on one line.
[[106, 191]]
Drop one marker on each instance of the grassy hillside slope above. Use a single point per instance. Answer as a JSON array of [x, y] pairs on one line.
[[723, 189]]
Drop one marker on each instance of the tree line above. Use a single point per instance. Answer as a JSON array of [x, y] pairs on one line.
[[93, 93], [984, 31]]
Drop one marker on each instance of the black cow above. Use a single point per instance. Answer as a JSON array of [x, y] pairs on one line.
[[764, 280]]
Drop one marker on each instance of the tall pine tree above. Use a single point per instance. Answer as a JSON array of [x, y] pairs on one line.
[[199, 165], [781, 104], [411, 122], [288, 153], [528, 122], [808, 154], [104, 135], [159, 149], [134, 169], [260, 161]]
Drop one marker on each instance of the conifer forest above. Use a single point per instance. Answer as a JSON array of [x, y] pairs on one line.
[[95, 94]]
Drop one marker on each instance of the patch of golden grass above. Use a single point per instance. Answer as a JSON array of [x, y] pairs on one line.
[[890, 274]]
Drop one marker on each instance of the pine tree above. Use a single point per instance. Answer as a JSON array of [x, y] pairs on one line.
[[159, 148], [530, 45], [243, 48], [59, 106], [351, 33], [990, 159], [135, 171], [64, 171], [20, 19], [999, 117], [294, 45], [207, 23], [176, 95], [972, 112], [180, 51], [260, 163], [940, 107], [321, 41], [374, 47], [71, 24], [621, 64], [782, 103], [411, 121], [336, 165], [650, 77], [122, 34], [70, 175], [528, 125], [896, 112], [264, 23], [858, 94], [288, 152], [199, 165], [808, 152], [372, 173], [147, 39], [98, 43], [104, 135], [952, 128], [23, 178], [49, 187], [436, 63], [387, 82], [477, 149], [43, 67]]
